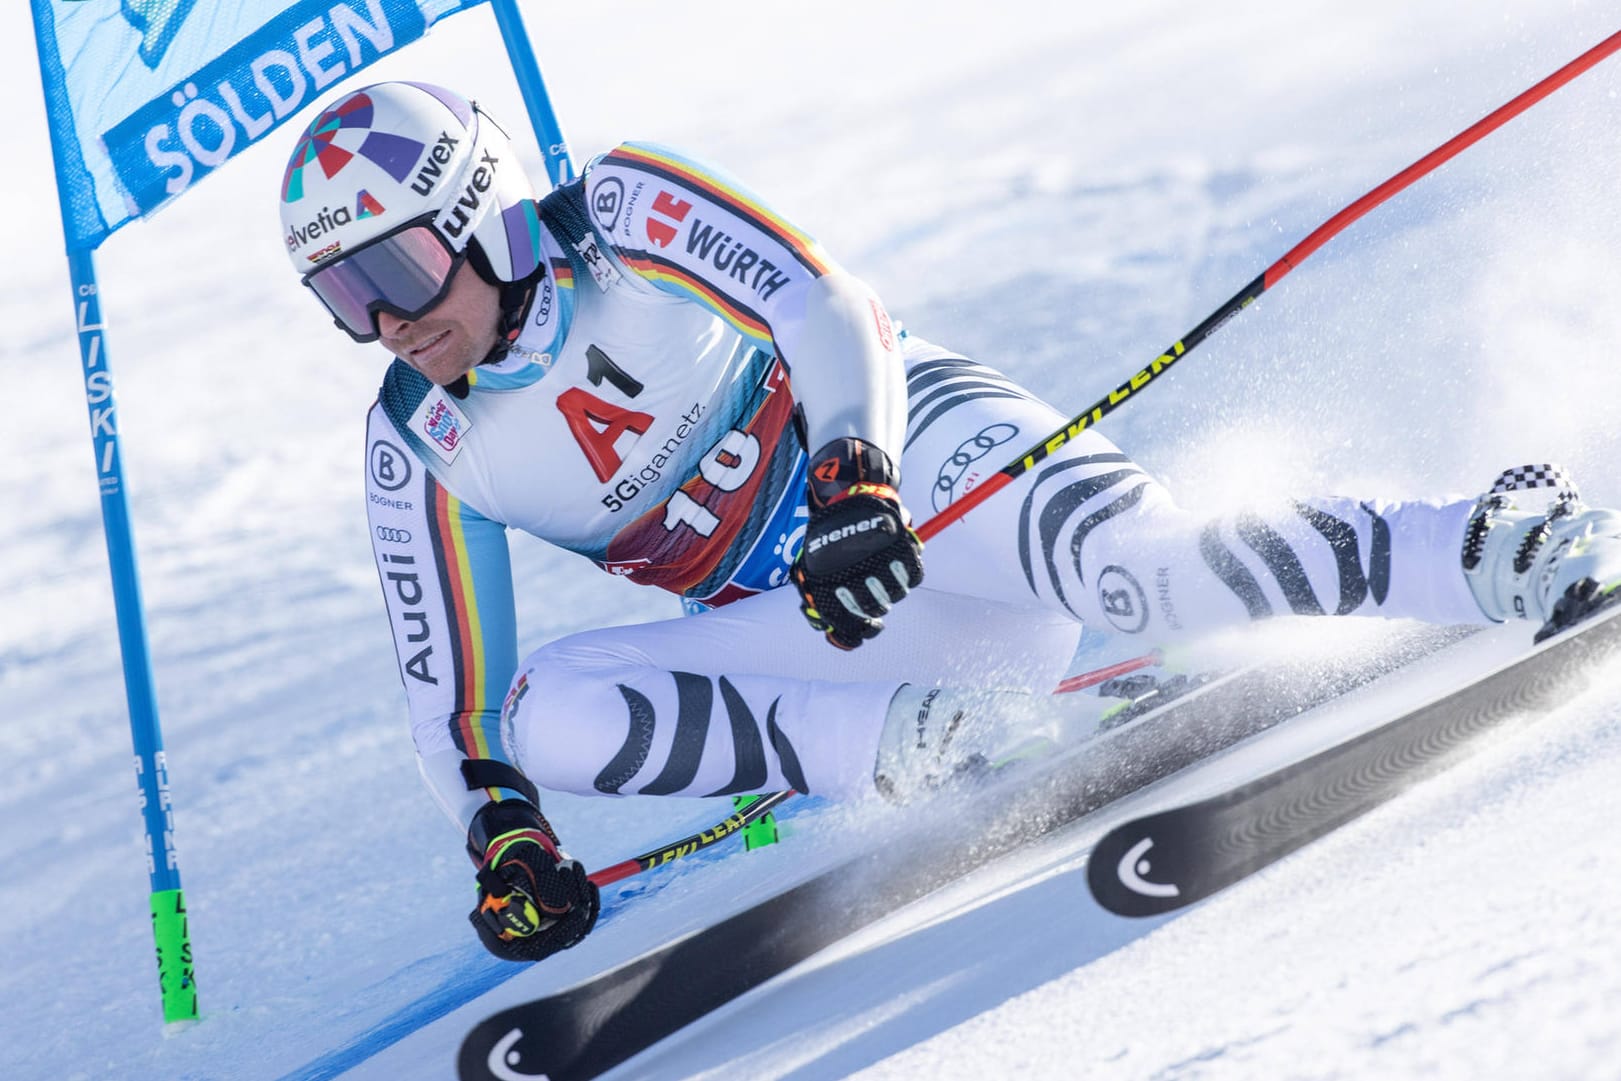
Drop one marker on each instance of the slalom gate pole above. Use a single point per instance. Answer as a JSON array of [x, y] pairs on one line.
[[177, 980], [1132, 387], [542, 117]]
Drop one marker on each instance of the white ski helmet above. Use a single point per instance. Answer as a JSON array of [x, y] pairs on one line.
[[390, 189]]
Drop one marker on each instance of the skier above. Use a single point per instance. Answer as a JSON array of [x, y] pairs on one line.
[[651, 368]]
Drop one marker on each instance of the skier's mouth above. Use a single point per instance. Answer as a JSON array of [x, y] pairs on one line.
[[427, 348]]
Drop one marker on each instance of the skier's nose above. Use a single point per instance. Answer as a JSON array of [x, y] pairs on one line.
[[390, 325]]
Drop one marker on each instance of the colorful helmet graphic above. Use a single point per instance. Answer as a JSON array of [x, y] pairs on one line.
[[400, 154]]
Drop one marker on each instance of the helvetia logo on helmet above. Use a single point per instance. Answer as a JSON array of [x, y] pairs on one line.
[[366, 206], [326, 221]]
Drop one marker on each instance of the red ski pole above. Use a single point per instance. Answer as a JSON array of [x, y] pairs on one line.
[[1268, 278]]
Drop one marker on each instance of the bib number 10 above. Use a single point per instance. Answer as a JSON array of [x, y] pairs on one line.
[[727, 467]]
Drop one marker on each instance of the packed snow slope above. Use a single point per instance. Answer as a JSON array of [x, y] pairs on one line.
[[1059, 191]]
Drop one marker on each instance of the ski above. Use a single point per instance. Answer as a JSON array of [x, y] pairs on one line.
[[586, 1029], [1173, 858]]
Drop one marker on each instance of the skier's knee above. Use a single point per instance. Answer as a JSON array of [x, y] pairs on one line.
[[560, 724]]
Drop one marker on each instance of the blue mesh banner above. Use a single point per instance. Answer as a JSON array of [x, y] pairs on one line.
[[147, 97]]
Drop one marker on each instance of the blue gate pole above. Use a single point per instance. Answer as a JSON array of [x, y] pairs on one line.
[[176, 979], [542, 117]]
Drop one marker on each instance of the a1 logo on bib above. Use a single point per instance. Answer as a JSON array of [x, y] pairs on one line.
[[441, 425], [1123, 601]]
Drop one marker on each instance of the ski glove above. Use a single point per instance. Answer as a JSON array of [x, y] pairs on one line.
[[861, 554], [532, 899]]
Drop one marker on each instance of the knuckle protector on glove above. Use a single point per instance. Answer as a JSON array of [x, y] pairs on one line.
[[860, 556], [532, 899], [851, 548]]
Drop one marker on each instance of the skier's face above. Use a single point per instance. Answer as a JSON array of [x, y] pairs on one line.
[[452, 337]]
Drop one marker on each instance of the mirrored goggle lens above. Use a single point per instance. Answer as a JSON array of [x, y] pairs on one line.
[[407, 273]]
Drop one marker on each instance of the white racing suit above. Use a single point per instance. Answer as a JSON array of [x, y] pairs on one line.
[[644, 418]]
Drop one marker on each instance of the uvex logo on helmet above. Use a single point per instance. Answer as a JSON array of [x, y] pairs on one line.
[[456, 217], [433, 166]]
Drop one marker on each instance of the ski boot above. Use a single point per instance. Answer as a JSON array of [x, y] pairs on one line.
[[936, 737], [1556, 565]]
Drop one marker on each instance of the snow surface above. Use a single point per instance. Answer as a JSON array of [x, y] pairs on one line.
[[1058, 190]]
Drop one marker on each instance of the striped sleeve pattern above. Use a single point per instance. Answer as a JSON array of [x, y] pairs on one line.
[[475, 581], [694, 232]]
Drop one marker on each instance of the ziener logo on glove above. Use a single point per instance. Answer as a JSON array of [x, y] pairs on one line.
[[843, 532]]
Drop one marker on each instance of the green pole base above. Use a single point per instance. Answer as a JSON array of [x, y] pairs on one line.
[[177, 981], [759, 833]]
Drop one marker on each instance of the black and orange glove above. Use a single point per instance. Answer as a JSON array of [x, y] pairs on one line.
[[532, 899], [861, 554]]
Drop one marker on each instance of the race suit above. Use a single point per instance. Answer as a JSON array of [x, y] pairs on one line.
[[645, 418]]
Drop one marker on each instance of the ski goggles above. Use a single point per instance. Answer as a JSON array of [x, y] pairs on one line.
[[405, 272]]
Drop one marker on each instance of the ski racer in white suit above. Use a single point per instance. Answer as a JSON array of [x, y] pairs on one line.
[[651, 368]]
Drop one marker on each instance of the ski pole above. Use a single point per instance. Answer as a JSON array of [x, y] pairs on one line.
[[688, 845], [1119, 668], [1133, 386]]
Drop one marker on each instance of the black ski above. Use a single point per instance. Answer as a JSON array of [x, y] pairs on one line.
[[589, 1028], [1165, 861]]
